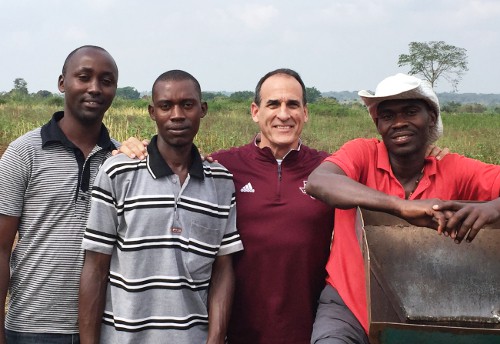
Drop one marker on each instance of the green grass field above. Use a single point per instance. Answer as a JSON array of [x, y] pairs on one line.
[[228, 124]]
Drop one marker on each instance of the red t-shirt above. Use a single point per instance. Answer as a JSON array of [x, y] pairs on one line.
[[455, 177]]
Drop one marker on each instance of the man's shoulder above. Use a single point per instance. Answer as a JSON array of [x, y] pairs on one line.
[[453, 160], [234, 157], [29, 139], [233, 151], [358, 147], [217, 171], [120, 162], [25, 146], [312, 152]]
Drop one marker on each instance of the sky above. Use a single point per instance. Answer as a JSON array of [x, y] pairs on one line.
[[335, 45]]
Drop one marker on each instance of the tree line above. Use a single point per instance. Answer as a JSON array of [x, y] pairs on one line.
[[431, 60]]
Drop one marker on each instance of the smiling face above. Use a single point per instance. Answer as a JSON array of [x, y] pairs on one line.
[[405, 125], [89, 83], [177, 110], [281, 114]]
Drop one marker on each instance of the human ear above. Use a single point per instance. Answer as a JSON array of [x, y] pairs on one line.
[[204, 109], [151, 111], [60, 83], [254, 109]]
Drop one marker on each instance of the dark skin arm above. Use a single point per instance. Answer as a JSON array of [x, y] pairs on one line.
[[466, 219], [8, 230], [220, 299], [92, 296], [329, 183]]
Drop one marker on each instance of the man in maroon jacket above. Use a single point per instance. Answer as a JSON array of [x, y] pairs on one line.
[[286, 233]]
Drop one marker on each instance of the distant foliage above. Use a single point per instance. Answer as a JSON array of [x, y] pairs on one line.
[[43, 94], [206, 96], [312, 94], [450, 107], [242, 96], [436, 59], [127, 92]]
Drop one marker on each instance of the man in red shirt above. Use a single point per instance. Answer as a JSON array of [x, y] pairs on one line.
[[394, 176]]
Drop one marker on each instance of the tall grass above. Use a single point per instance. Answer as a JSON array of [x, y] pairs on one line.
[[229, 123]]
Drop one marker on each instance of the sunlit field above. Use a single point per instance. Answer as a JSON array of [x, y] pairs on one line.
[[229, 123]]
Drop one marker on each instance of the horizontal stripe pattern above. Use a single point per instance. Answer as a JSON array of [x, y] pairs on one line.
[[163, 238], [40, 186], [152, 282], [149, 323]]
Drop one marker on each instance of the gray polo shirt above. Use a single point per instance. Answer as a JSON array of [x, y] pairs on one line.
[[163, 238], [46, 181]]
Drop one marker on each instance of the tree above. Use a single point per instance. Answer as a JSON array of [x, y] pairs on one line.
[[312, 94], [20, 86], [127, 92], [44, 94], [436, 59]]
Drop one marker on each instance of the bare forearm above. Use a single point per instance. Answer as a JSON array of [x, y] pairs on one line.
[[340, 191], [329, 183], [92, 298], [220, 299]]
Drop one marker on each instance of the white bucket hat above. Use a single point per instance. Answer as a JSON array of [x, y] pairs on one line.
[[402, 86]]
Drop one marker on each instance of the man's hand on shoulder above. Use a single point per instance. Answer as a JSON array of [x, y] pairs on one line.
[[437, 152], [133, 148]]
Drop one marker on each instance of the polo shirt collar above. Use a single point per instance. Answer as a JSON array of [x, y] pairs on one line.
[[52, 133], [159, 168], [384, 163]]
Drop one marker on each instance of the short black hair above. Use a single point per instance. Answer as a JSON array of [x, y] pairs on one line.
[[286, 71], [177, 75], [79, 48]]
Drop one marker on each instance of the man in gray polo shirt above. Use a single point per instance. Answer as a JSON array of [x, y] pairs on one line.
[[162, 229], [45, 181]]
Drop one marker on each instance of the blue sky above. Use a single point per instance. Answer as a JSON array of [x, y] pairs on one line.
[[335, 45]]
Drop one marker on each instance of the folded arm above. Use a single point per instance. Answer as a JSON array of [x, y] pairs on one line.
[[329, 183]]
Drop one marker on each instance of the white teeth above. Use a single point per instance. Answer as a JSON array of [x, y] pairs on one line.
[[401, 138]]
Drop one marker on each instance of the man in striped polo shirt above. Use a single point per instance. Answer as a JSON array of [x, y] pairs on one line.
[[45, 181], [163, 230]]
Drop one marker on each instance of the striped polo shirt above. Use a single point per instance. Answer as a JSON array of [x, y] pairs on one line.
[[46, 181], [163, 238]]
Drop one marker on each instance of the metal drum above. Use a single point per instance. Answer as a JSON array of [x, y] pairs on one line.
[[424, 288]]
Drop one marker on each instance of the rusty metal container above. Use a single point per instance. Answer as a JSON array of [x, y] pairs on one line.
[[424, 288]]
